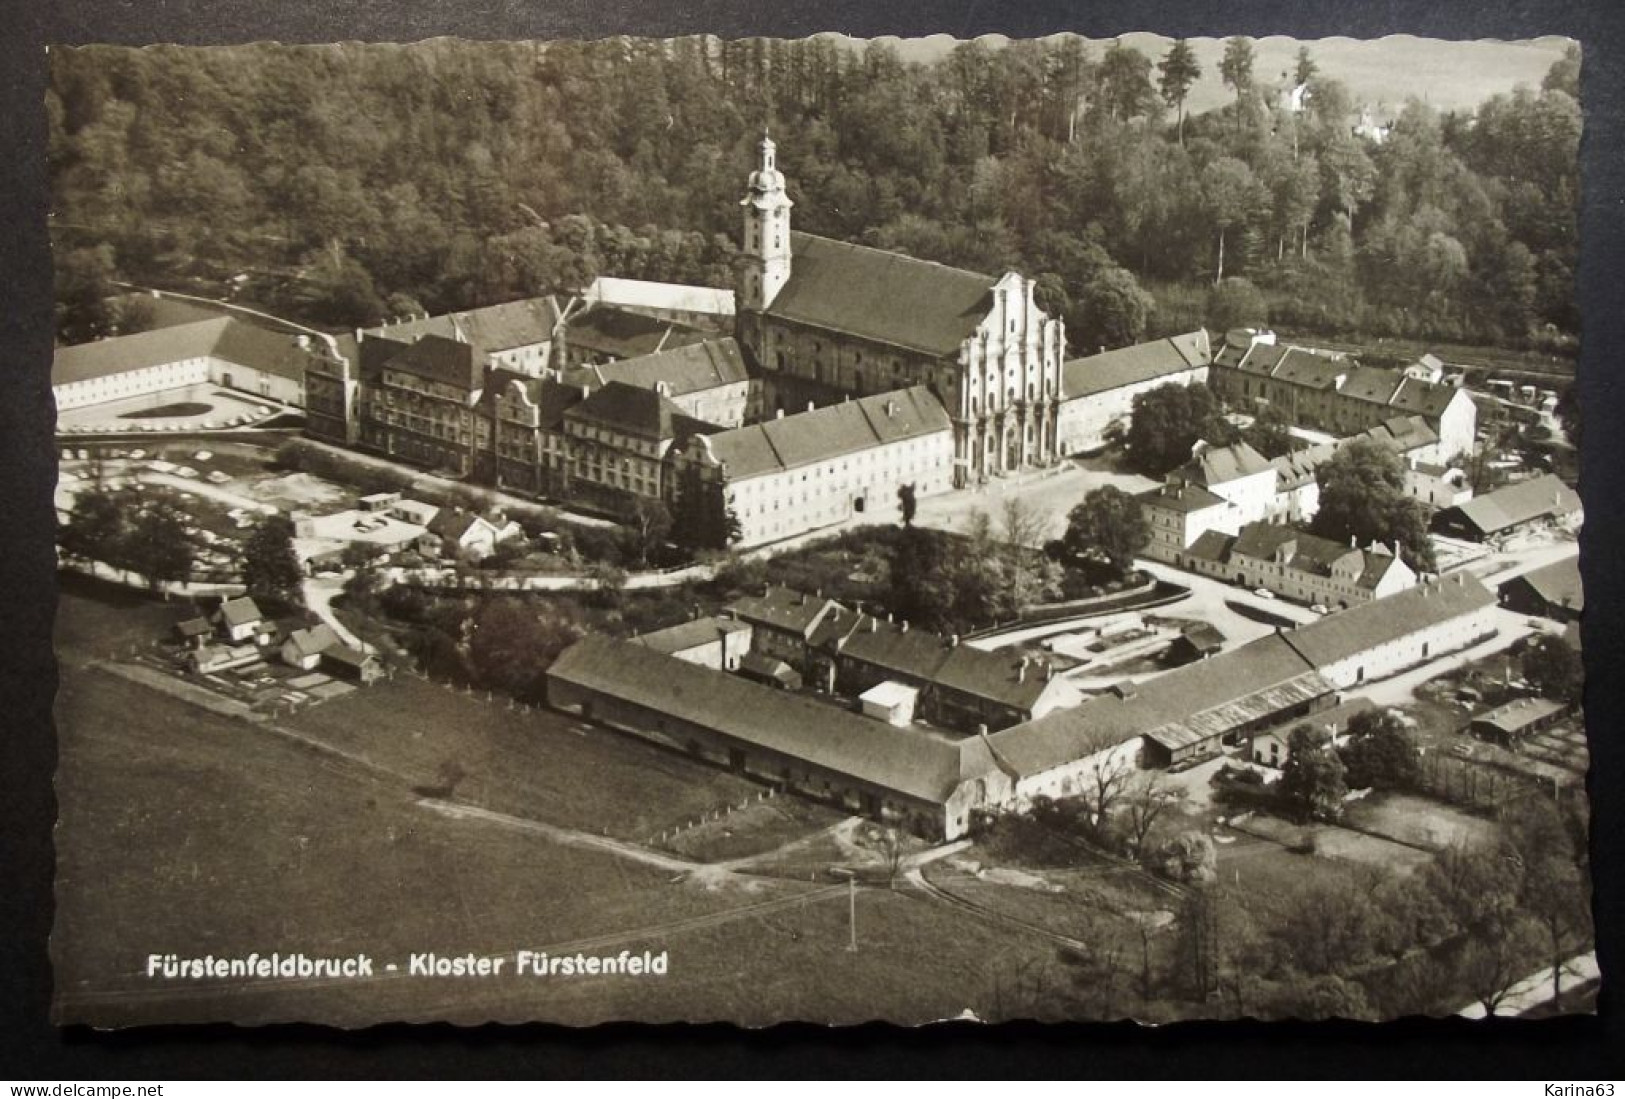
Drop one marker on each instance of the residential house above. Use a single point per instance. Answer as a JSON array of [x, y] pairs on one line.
[[240, 620], [304, 648], [1306, 568], [352, 664]]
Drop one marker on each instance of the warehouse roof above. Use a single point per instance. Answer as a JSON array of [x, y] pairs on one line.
[[489, 329], [824, 433], [623, 334], [1515, 504], [1359, 629], [882, 296], [1142, 362], [1557, 583], [689, 369], [910, 761], [227, 338]]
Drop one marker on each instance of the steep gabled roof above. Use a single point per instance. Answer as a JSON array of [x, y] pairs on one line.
[[1222, 464], [1372, 384], [489, 329], [1182, 497], [882, 296], [240, 611], [435, 359], [624, 334], [1142, 362], [691, 634], [1557, 583], [313, 641], [1424, 397], [825, 433], [641, 412], [1362, 628], [784, 609], [228, 338], [1518, 503], [1301, 366], [690, 369]]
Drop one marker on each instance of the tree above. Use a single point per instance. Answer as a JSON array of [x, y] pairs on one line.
[[1381, 753], [512, 642], [1236, 67], [1362, 497], [651, 524], [159, 545], [1554, 669], [1557, 897], [95, 527], [1270, 433], [1104, 781], [1108, 525], [1236, 303], [1149, 800], [1165, 423], [1112, 310], [271, 569], [1496, 959], [908, 503], [1564, 75], [1125, 82], [1228, 196], [1304, 68], [1568, 413], [1179, 69], [1312, 779], [84, 282]]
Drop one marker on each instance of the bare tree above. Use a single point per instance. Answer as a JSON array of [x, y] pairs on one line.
[[1024, 524], [1147, 800], [892, 854], [1105, 781], [1495, 959]]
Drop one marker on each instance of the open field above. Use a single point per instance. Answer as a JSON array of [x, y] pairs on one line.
[[189, 833]]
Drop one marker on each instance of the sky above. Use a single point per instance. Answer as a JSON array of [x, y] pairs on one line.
[[1448, 75]]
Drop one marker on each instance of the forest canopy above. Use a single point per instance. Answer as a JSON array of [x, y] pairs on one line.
[[349, 183]]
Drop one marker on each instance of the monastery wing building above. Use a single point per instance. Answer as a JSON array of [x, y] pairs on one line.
[[824, 320]]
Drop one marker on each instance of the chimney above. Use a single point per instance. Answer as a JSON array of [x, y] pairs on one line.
[[953, 641], [1021, 670], [888, 618], [1048, 670], [694, 612], [981, 728], [904, 627], [810, 406], [874, 623], [778, 414]]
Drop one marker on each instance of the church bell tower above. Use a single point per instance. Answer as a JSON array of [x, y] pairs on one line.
[[766, 248]]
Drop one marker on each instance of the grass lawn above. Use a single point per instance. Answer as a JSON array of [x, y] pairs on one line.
[[542, 764], [186, 832]]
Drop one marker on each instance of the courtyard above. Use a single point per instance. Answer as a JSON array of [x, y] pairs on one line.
[[192, 408]]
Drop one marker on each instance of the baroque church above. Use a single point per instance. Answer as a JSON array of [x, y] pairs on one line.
[[825, 321]]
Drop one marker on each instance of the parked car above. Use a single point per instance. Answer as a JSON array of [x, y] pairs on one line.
[[1320, 608], [1263, 593]]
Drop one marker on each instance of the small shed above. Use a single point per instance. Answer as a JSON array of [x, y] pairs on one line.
[[1510, 722], [890, 701], [1194, 643], [193, 632], [765, 669], [352, 663]]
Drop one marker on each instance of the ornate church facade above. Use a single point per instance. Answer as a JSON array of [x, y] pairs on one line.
[[824, 321]]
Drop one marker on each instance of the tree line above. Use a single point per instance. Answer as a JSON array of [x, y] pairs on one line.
[[349, 183]]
